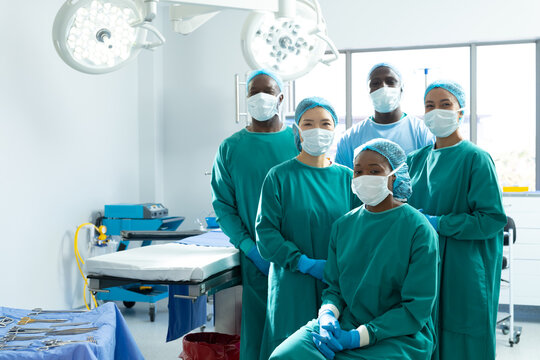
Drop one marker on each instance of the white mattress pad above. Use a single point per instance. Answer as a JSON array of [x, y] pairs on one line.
[[165, 262]]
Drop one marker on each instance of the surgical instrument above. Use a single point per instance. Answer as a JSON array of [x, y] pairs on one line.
[[70, 324], [15, 337], [27, 320], [50, 331], [55, 343], [38, 311], [13, 347], [4, 321], [21, 330], [74, 331]]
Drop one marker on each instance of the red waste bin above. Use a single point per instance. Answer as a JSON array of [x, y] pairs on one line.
[[210, 346]]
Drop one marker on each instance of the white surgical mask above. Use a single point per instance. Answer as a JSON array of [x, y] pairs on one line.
[[372, 189], [442, 123], [263, 106], [386, 99], [316, 141]]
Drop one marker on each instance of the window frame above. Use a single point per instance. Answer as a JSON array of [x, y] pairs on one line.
[[473, 56]]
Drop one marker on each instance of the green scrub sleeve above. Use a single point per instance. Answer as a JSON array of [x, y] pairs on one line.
[[418, 292], [332, 294], [270, 242], [484, 198], [225, 207]]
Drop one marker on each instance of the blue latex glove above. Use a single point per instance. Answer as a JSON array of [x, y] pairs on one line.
[[322, 346], [325, 340], [311, 267], [348, 339], [433, 220], [260, 263]]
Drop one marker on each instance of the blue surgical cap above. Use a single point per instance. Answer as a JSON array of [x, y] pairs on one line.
[[452, 87], [272, 74], [388, 65], [395, 156], [310, 103]]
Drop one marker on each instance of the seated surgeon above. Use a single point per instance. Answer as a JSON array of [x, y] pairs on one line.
[[241, 164], [455, 185], [300, 200], [389, 122], [381, 272]]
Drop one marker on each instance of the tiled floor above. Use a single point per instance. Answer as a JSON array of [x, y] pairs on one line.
[[150, 336]]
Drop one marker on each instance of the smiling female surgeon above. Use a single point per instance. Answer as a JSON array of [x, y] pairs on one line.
[[455, 185], [381, 272], [300, 200]]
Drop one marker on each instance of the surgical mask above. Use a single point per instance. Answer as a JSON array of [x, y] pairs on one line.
[[372, 189], [386, 99], [263, 106], [316, 141], [442, 123]]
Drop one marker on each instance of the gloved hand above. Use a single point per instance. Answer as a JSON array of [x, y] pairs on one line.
[[433, 220], [311, 267], [348, 339], [260, 263], [325, 340]]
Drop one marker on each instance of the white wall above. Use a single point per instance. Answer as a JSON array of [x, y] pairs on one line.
[[199, 109], [69, 143], [357, 24]]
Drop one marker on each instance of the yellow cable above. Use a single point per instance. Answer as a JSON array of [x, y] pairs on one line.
[[80, 260]]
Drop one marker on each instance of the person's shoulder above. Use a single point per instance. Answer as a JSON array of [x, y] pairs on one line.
[[474, 151], [413, 119], [355, 129], [283, 168], [342, 169], [419, 153], [416, 219], [234, 138], [351, 216]]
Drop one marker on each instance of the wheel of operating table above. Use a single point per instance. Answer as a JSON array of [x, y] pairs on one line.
[[129, 304]]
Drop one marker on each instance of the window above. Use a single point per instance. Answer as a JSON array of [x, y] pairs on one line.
[[505, 98], [506, 110]]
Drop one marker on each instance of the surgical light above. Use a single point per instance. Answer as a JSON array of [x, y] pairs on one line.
[[289, 46], [97, 36]]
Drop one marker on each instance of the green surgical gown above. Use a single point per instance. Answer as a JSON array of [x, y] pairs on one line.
[[298, 206], [459, 184], [241, 164], [381, 273]]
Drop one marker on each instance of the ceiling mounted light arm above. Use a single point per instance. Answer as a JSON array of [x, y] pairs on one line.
[[151, 28], [321, 33], [150, 7], [328, 58]]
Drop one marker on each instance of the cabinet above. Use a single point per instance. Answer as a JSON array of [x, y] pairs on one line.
[[525, 210]]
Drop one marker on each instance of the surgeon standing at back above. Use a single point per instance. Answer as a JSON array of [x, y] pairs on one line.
[[240, 167], [454, 183], [389, 122]]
